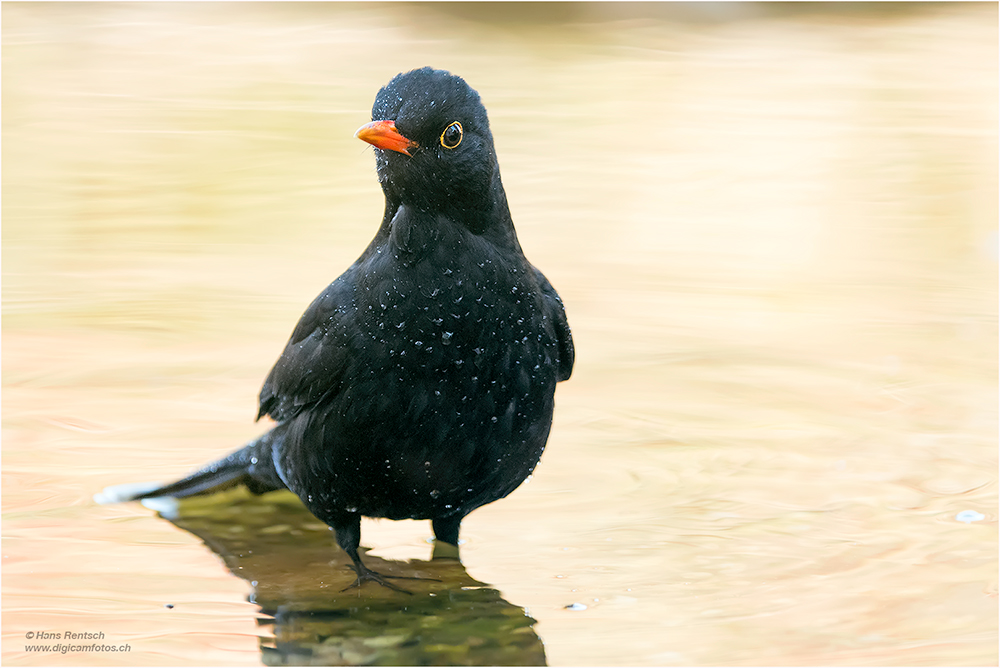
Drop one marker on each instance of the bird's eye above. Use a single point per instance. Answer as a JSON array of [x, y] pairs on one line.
[[452, 135]]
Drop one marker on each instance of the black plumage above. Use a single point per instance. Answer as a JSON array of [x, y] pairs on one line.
[[420, 383]]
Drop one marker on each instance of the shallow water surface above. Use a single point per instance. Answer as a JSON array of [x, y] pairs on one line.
[[774, 229]]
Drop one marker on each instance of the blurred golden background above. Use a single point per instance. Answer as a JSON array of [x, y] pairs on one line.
[[775, 230]]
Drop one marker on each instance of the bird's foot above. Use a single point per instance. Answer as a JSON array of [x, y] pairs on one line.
[[367, 575], [445, 550]]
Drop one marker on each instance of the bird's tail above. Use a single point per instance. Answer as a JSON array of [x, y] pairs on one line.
[[251, 466]]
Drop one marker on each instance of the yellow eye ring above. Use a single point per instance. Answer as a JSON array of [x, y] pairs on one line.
[[450, 141]]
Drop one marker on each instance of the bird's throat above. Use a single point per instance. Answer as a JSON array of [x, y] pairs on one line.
[[414, 233]]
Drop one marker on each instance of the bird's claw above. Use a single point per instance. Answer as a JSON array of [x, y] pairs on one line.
[[368, 575]]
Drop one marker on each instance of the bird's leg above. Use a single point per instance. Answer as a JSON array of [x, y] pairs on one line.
[[349, 539], [446, 537]]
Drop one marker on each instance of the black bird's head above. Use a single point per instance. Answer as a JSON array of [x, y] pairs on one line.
[[435, 150]]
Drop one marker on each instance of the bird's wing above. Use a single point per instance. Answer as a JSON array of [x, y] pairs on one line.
[[312, 364], [556, 312]]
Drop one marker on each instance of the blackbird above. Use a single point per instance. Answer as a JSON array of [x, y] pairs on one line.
[[420, 383]]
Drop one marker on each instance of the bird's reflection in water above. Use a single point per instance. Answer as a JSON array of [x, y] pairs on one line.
[[298, 575]]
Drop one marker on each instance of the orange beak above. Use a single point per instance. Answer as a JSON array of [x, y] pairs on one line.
[[383, 134]]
